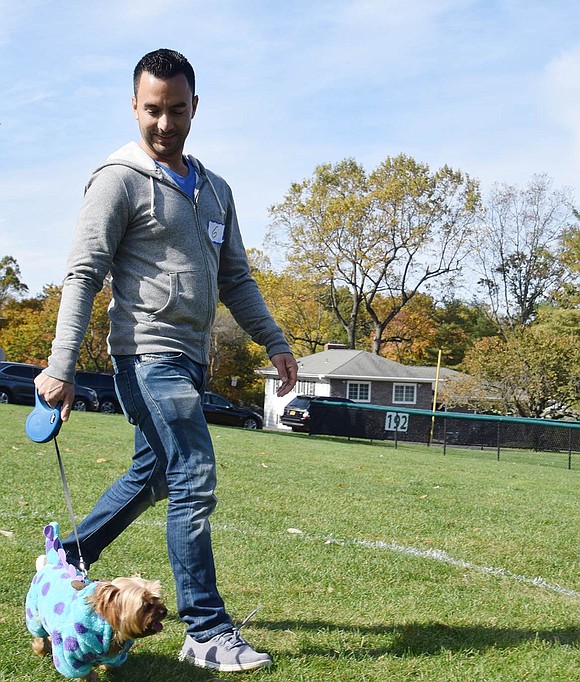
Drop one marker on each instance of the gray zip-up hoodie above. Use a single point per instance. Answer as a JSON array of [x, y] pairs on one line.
[[169, 257]]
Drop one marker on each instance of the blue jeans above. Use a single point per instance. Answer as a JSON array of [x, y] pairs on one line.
[[162, 395]]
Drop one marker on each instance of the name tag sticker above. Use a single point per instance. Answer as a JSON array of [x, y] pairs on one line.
[[216, 232]]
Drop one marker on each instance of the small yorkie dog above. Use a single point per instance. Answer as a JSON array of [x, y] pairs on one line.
[[85, 624]]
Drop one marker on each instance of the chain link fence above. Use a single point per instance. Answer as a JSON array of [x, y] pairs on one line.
[[505, 438]]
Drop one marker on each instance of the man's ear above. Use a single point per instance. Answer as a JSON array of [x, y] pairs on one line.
[[194, 104], [134, 105]]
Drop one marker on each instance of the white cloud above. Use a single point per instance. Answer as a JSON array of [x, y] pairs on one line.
[[9, 17], [22, 95], [558, 93], [561, 85], [363, 41], [137, 12], [95, 63]]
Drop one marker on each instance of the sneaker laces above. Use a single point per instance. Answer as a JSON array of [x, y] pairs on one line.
[[232, 638], [249, 616]]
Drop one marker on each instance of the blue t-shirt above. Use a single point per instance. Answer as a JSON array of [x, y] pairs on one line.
[[186, 184]]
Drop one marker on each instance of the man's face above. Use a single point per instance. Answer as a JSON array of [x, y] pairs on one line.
[[164, 109]]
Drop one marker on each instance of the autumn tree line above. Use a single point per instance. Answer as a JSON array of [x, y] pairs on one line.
[[403, 261]]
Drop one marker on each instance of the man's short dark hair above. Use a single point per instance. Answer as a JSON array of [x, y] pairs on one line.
[[164, 64]]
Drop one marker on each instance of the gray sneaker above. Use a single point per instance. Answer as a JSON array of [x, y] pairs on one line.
[[227, 652]]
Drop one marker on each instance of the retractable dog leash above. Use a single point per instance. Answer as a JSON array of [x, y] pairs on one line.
[[42, 426]]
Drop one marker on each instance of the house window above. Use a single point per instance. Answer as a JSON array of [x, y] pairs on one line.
[[405, 393], [359, 392], [301, 388], [305, 387]]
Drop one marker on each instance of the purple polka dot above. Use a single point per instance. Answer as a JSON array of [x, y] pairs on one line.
[[87, 658], [56, 660], [59, 608], [77, 664], [29, 613], [80, 628], [64, 575], [56, 637], [100, 638], [71, 644], [45, 589]]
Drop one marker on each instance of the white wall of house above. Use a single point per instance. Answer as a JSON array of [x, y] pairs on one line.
[[274, 406]]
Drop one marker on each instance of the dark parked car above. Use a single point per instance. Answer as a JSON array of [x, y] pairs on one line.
[[104, 385], [17, 386], [219, 410], [296, 414]]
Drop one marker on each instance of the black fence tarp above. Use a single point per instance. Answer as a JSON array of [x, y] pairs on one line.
[[446, 428]]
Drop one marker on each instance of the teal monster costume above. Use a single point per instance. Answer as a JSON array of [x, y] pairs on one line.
[[56, 606]]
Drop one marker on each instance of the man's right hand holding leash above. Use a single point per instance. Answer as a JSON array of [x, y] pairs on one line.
[[54, 391]]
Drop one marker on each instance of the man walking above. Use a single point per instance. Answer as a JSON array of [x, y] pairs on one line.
[[165, 228]]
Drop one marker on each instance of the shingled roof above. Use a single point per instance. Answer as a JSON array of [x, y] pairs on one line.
[[359, 364]]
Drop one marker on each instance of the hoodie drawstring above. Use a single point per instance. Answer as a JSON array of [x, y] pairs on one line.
[[152, 192], [217, 198]]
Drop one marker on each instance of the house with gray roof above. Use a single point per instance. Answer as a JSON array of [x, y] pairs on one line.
[[359, 375]]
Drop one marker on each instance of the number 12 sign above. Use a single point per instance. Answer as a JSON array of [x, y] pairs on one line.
[[397, 421]]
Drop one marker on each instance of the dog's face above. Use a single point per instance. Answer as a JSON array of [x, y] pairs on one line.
[[132, 606]]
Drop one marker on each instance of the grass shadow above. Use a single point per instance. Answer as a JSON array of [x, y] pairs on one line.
[[420, 639], [325, 438], [150, 667]]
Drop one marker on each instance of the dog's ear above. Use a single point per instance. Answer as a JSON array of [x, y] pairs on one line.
[[104, 601], [78, 585]]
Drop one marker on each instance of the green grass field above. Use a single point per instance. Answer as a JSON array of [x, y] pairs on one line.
[[408, 565]]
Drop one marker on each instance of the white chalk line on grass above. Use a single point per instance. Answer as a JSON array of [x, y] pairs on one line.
[[440, 555], [432, 554]]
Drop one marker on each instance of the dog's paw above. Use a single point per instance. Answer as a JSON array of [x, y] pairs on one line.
[[42, 646], [93, 676]]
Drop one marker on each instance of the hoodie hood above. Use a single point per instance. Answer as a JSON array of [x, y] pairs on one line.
[[133, 156]]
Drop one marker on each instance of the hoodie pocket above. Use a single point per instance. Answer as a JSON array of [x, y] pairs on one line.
[[179, 298]]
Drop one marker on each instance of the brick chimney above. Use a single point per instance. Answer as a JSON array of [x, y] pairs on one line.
[[335, 346]]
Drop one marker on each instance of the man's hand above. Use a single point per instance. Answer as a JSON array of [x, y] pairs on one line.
[[54, 391], [287, 371]]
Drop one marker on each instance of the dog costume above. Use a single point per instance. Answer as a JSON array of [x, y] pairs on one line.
[[57, 608]]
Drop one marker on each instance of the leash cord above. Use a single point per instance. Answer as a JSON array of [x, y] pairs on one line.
[[82, 568]]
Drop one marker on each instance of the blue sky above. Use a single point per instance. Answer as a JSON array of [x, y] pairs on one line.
[[491, 87]]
